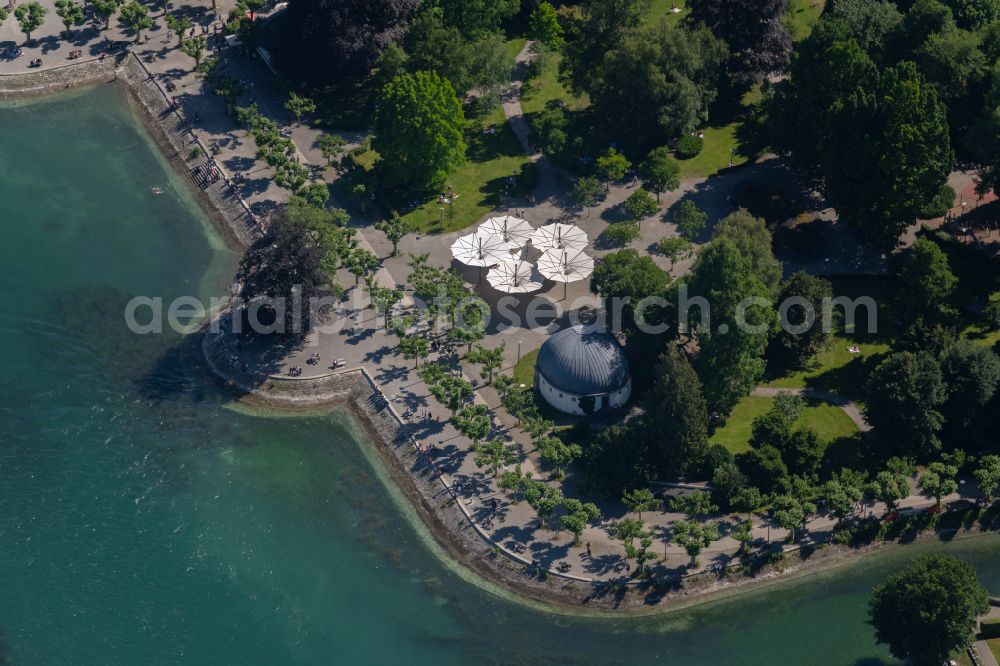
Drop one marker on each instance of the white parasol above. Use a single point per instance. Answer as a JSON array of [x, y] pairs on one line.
[[514, 277], [559, 236], [565, 266], [514, 230], [479, 249]]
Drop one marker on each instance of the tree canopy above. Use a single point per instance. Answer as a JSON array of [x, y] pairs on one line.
[[418, 131], [928, 610]]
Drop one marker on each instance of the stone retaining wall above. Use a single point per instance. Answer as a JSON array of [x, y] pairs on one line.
[[70, 75]]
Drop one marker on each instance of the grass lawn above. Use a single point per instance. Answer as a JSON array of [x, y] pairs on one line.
[[539, 91], [721, 146], [660, 8], [994, 644], [835, 369], [802, 16], [514, 46], [829, 421], [524, 371]]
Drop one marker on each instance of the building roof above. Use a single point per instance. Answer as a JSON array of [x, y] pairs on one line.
[[583, 361]]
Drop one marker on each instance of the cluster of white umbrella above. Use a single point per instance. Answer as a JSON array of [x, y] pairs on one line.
[[497, 244]]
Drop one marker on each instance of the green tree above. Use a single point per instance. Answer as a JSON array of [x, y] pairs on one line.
[[744, 535], [840, 497], [577, 516], [543, 498], [904, 395], [600, 23], [194, 47], [361, 263], [755, 32], [543, 25], [558, 453], [987, 475], [134, 17], [395, 229], [641, 499], [694, 537], [478, 17], [106, 9], [939, 480], [473, 421], [801, 336], [695, 505], [972, 374], [929, 285], [753, 240], [494, 456], [70, 12], [384, 298], [585, 192], [668, 74], [331, 146], [690, 219], [879, 186], [30, 18], [490, 359], [927, 611], [731, 360], [674, 248], [612, 165], [675, 423], [620, 234], [418, 131], [889, 487], [298, 106], [791, 513], [513, 482], [628, 531], [660, 171], [452, 392], [640, 205], [414, 347], [179, 25], [627, 274]]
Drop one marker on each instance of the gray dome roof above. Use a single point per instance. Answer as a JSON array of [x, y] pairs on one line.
[[583, 361]]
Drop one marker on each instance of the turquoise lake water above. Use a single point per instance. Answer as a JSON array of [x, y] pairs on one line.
[[144, 520]]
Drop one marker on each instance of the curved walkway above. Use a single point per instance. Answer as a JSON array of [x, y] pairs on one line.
[[850, 408]]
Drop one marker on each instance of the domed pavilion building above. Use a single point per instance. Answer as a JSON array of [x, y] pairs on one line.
[[583, 370]]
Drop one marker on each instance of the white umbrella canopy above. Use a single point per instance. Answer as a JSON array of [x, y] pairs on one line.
[[514, 277], [559, 236], [565, 265], [514, 230], [479, 249]]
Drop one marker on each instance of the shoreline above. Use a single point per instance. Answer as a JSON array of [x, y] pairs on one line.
[[460, 544], [439, 510]]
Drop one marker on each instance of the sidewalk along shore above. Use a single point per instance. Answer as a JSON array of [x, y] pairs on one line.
[[454, 529]]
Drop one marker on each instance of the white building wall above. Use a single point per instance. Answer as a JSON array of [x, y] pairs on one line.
[[570, 402]]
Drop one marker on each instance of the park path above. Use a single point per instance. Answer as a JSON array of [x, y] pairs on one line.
[[849, 407]]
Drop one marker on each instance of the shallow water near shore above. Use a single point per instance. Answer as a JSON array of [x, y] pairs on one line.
[[145, 521]]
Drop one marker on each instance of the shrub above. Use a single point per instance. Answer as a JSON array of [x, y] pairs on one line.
[[940, 204], [689, 145], [195, 153], [621, 234]]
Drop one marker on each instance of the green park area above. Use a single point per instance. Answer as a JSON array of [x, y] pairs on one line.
[[826, 420]]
